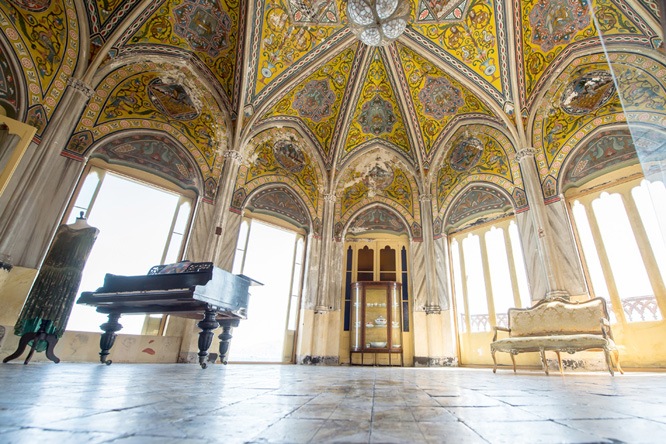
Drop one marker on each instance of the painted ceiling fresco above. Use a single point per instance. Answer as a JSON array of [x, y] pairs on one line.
[[584, 97], [45, 38], [478, 153], [287, 84], [159, 97], [279, 156], [552, 28], [378, 176]]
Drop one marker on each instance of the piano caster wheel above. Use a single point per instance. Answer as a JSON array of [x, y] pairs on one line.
[[108, 362], [204, 365]]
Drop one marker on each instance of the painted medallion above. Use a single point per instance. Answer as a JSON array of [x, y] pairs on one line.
[[377, 116], [204, 25], [588, 92], [466, 153], [315, 100], [289, 156], [555, 22], [440, 98], [172, 100]]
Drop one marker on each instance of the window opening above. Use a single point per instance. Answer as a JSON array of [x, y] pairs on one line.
[[628, 269], [135, 221], [476, 284], [500, 277], [268, 258]]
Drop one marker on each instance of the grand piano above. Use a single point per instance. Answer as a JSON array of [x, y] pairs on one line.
[[196, 290]]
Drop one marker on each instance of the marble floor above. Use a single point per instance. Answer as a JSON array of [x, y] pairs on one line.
[[178, 403]]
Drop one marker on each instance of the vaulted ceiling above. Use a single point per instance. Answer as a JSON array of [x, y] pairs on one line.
[[446, 106]]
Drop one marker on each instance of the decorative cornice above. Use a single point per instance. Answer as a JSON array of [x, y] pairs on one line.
[[81, 87], [525, 153], [234, 156]]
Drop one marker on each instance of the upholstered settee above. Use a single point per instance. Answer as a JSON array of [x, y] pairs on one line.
[[558, 325]]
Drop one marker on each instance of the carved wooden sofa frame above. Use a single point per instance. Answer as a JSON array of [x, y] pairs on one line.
[[561, 326]]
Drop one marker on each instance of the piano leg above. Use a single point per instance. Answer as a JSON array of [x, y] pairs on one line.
[[207, 325], [225, 337], [108, 337]]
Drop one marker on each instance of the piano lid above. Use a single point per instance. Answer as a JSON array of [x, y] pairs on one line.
[[250, 280]]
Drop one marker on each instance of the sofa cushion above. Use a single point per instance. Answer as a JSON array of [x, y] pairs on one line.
[[556, 342]]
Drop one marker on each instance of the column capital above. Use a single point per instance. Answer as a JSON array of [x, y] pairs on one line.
[[330, 197], [234, 156], [525, 153], [81, 87], [425, 198]]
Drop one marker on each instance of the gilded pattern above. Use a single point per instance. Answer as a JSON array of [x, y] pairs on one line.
[[208, 28], [437, 105], [46, 41], [106, 9], [377, 112], [303, 103], [557, 132], [267, 163], [476, 154], [550, 25], [284, 41], [468, 33], [123, 101]]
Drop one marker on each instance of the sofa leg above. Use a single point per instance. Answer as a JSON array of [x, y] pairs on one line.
[[559, 362], [616, 358], [494, 361], [513, 359], [543, 361], [609, 362]]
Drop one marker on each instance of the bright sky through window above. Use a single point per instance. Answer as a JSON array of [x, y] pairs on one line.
[[134, 222]]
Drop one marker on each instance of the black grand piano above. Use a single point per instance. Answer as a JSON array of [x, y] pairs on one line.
[[196, 290]]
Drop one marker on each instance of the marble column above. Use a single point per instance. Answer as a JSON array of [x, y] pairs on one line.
[[432, 303], [36, 197], [325, 300], [213, 238], [540, 235], [327, 303], [223, 234]]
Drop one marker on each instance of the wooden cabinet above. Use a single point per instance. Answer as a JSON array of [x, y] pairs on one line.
[[376, 324]]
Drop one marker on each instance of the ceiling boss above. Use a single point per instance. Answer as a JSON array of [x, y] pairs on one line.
[[378, 22]]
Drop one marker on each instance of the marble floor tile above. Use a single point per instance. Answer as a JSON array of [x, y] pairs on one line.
[[388, 431], [631, 430], [246, 404]]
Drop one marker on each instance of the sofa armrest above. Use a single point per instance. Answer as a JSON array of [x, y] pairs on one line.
[[606, 329], [497, 329]]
